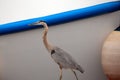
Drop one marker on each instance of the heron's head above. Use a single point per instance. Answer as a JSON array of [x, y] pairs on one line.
[[38, 23]]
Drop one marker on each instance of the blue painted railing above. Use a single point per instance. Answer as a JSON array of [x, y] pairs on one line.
[[62, 17]]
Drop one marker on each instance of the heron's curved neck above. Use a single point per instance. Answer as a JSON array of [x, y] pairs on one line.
[[45, 40]]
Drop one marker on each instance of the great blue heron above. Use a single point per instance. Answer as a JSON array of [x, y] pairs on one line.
[[62, 58]]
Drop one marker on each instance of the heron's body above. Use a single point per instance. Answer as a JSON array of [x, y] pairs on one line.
[[61, 57], [65, 60]]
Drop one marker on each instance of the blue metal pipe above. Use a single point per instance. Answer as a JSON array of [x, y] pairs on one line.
[[62, 17]]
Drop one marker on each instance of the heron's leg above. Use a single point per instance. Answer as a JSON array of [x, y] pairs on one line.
[[60, 73], [74, 73]]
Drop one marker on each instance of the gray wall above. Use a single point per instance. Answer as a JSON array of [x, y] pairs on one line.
[[25, 58]]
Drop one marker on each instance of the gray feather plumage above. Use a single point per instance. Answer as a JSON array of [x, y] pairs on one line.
[[65, 60]]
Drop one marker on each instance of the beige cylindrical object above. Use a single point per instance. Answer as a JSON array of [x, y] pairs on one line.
[[111, 55]]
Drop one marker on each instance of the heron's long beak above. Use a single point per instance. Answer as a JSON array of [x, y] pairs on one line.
[[35, 24]]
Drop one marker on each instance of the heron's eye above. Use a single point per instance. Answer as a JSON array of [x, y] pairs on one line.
[[52, 52]]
